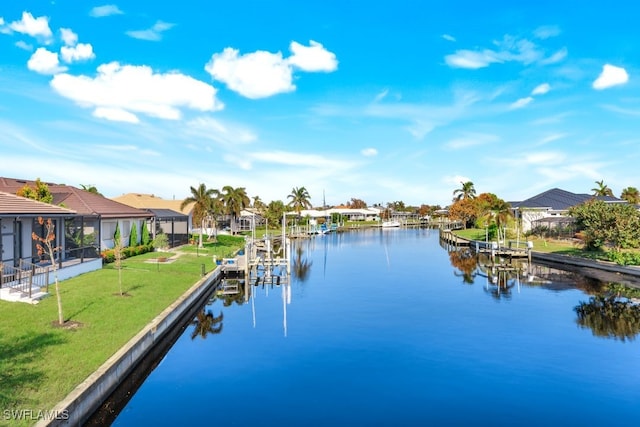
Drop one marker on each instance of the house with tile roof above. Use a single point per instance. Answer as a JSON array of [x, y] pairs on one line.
[[23, 272], [97, 217], [170, 218], [551, 207]]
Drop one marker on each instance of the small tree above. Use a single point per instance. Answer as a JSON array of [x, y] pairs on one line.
[[117, 253], [116, 235], [45, 247], [146, 239], [133, 236], [161, 241]]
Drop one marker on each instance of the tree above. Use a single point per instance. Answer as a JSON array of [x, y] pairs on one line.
[[258, 204], [235, 201], [146, 238], [357, 203], [464, 210], [202, 198], [602, 189], [631, 195], [614, 224], [467, 191], [90, 188], [133, 236], [45, 246], [117, 238], [117, 252], [299, 199], [40, 192], [275, 210]]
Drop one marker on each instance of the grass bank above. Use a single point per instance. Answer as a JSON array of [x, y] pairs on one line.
[[41, 364], [561, 247]]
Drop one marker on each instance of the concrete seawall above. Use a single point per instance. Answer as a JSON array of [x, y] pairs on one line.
[[87, 397]]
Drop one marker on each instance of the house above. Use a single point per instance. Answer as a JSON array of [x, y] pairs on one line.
[[550, 207], [23, 272], [171, 219], [97, 217]]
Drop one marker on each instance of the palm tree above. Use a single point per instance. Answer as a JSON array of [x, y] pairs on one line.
[[235, 200], [602, 189], [299, 199], [631, 195], [467, 191], [91, 189], [202, 198]]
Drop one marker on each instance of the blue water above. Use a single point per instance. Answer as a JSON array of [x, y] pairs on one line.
[[383, 331]]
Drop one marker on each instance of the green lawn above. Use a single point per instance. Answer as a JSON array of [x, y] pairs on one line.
[[40, 364], [562, 247]]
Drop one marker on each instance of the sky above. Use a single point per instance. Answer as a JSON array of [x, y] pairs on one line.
[[381, 101]]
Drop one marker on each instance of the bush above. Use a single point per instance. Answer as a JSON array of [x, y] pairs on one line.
[[108, 256]]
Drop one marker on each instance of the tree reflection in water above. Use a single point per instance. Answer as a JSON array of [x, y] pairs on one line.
[[205, 324], [465, 261], [301, 267], [609, 317]]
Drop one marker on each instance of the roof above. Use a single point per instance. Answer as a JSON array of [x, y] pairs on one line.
[[168, 214], [12, 205], [81, 201], [560, 200], [150, 201]]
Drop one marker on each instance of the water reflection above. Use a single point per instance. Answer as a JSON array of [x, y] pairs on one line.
[[206, 324], [609, 313], [301, 266], [610, 317]]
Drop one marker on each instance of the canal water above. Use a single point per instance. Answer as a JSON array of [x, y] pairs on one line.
[[388, 328]]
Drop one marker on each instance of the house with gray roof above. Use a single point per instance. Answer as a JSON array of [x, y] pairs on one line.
[[552, 206]]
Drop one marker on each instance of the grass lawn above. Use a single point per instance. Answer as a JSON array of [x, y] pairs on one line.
[[562, 247], [40, 364]]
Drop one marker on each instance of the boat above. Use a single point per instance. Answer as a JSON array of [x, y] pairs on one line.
[[389, 224]]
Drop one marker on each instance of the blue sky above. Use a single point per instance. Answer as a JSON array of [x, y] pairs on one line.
[[381, 101]]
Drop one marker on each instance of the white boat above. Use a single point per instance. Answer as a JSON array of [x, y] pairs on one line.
[[388, 224]]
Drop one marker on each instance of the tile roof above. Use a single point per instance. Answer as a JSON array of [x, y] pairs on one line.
[[150, 201], [560, 200], [81, 201], [12, 205]]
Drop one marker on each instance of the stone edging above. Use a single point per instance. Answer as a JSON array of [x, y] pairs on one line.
[[87, 397]]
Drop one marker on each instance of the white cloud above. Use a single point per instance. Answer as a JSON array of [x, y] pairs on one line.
[[448, 37], [255, 75], [68, 37], [471, 140], [455, 180], [509, 49], [521, 103], [208, 128], [80, 52], [312, 58], [546, 31], [541, 89], [544, 158], [115, 114], [471, 59], [136, 89], [261, 74], [610, 76], [153, 34], [369, 152], [106, 10], [556, 57], [45, 62], [24, 45], [35, 27], [382, 95]]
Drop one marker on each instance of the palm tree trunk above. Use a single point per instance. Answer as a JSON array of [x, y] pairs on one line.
[[201, 231]]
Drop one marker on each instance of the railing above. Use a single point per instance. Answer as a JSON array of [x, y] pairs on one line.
[[24, 277]]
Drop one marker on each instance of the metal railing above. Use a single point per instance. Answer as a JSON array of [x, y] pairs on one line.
[[25, 277]]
